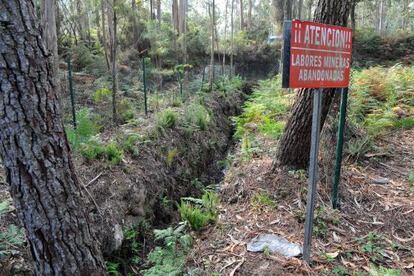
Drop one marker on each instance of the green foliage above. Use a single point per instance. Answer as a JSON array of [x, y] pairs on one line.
[[102, 95], [262, 110], [411, 178], [94, 150], [169, 259], [382, 271], [227, 85], [113, 268], [11, 237], [166, 119], [130, 143], [199, 212], [125, 110], [85, 129], [372, 244], [340, 271], [197, 115], [324, 216], [381, 100], [262, 200], [171, 154], [249, 147]]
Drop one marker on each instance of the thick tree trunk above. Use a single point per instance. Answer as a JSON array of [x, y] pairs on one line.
[[48, 21], [294, 146], [35, 152]]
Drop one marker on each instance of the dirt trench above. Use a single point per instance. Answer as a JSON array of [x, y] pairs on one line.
[[172, 164]]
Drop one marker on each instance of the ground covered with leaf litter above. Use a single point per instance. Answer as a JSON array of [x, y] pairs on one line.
[[372, 233]]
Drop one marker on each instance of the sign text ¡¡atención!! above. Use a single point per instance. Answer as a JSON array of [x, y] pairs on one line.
[[320, 55]]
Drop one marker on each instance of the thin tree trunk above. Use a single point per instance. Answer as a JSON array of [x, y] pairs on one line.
[[353, 20], [278, 7], [134, 23], [225, 37], [294, 146], [241, 15], [48, 22], [104, 40], [112, 23], [249, 15], [300, 8], [36, 154], [152, 10], [309, 9], [159, 12], [232, 39], [213, 26], [288, 10]]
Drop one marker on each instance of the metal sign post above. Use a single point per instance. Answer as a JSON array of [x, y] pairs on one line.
[[339, 147], [317, 56], [313, 172], [72, 93]]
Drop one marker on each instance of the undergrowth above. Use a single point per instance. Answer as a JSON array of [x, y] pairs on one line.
[[169, 257], [381, 100], [263, 111], [11, 237], [199, 212]]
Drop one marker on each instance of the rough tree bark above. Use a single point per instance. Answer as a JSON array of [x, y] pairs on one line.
[[48, 21], [36, 154], [294, 146]]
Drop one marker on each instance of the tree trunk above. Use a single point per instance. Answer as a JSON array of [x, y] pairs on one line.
[[300, 7], [159, 12], [104, 40], [232, 39], [294, 146], [36, 154], [309, 9], [48, 21], [114, 46], [249, 15], [151, 9], [353, 20], [175, 16], [278, 8], [288, 10], [135, 35], [241, 15], [213, 26]]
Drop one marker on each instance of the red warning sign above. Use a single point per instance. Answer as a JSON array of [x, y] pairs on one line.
[[320, 55]]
